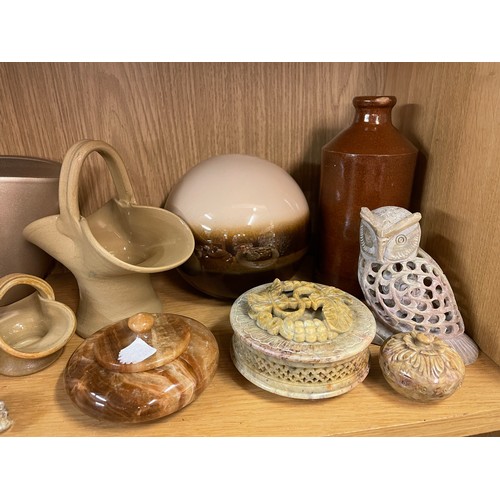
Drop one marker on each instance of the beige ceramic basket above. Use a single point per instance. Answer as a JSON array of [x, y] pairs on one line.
[[113, 251]]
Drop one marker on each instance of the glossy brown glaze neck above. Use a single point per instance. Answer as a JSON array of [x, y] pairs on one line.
[[374, 110]]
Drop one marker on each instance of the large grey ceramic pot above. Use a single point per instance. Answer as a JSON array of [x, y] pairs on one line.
[[28, 191]]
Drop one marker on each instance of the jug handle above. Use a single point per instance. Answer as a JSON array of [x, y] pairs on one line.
[[14, 279], [70, 174]]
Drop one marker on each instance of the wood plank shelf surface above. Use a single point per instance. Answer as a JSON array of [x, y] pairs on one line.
[[232, 406]]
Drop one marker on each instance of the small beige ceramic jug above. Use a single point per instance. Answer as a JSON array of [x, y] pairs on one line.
[[113, 251], [33, 330]]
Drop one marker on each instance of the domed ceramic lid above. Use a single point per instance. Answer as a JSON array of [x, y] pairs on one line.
[[237, 191], [142, 368]]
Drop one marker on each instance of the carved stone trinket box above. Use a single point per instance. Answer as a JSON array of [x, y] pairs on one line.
[[301, 340], [421, 366]]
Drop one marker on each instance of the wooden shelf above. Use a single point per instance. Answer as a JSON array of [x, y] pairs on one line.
[[232, 406]]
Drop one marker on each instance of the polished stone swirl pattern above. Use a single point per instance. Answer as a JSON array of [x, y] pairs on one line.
[[133, 397]]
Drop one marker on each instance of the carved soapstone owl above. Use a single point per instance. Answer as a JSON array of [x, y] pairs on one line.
[[404, 286]]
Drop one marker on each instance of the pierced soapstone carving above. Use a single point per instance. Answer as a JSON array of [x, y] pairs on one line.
[[404, 286], [301, 311]]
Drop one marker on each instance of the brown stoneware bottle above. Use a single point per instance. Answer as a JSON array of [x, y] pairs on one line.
[[369, 164]]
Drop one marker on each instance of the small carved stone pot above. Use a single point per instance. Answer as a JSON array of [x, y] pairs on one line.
[[421, 366], [301, 340], [142, 368]]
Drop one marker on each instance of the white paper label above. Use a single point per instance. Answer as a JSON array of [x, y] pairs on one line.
[[135, 352]]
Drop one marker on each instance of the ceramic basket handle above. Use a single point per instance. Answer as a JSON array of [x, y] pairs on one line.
[[15, 279], [70, 174]]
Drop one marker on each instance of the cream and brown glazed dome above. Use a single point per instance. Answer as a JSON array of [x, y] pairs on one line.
[[250, 220]]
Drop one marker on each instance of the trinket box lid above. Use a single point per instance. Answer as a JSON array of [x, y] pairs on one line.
[[346, 344]]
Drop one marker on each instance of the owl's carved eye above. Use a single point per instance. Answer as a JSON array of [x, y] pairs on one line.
[[367, 239], [402, 246]]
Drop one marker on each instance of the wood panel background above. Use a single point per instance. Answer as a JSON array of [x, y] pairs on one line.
[[163, 118], [452, 116]]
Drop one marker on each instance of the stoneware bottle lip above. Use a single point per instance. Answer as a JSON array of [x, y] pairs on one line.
[[367, 101]]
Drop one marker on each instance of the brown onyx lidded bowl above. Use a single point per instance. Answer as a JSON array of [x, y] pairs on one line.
[[250, 220], [142, 368]]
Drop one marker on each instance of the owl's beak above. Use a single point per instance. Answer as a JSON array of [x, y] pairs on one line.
[[382, 242]]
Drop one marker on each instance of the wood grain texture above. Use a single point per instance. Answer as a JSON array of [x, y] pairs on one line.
[[232, 406], [452, 118], [163, 118]]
